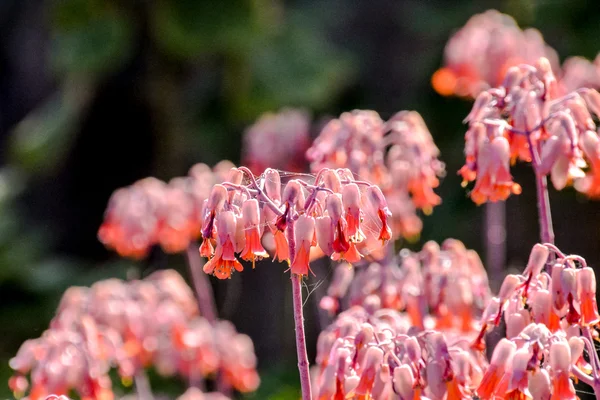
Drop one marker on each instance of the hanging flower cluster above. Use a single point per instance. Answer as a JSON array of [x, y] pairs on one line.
[[330, 214], [377, 351], [151, 212], [131, 326], [277, 140], [549, 319], [398, 155], [372, 353], [443, 288], [526, 119], [478, 55]]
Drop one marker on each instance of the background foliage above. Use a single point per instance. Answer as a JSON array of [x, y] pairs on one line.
[[95, 94]]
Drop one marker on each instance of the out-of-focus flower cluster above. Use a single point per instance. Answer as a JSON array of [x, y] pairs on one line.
[[525, 118], [131, 326], [398, 155], [277, 140], [330, 214], [549, 319], [370, 353], [151, 212], [443, 288], [479, 54], [372, 349]]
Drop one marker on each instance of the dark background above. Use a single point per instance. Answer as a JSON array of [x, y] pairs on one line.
[[95, 94]]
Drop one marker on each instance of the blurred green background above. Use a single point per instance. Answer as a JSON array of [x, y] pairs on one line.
[[95, 94]]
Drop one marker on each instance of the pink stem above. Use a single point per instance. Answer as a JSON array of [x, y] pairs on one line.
[[543, 200], [299, 319], [142, 386], [202, 287]]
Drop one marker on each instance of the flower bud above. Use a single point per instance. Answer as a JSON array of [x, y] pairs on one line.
[[273, 185], [560, 357], [537, 260], [404, 382]]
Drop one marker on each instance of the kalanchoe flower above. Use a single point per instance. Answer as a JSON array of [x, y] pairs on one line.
[[398, 156], [478, 55], [250, 220], [224, 260], [528, 118], [446, 287], [325, 215], [152, 212], [131, 325], [277, 140]]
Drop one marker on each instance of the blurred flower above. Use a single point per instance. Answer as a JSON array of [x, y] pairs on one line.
[[151, 212], [398, 156], [478, 55], [527, 119], [411, 328], [131, 325], [277, 140]]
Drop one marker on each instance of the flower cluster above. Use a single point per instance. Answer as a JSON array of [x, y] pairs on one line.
[[398, 155], [151, 212], [131, 326], [443, 288], [478, 55], [373, 349], [378, 354], [277, 140], [330, 214], [549, 318], [525, 118]]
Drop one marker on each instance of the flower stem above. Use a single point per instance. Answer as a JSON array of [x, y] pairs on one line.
[[142, 386], [299, 319], [543, 200], [202, 287], [546, 230]]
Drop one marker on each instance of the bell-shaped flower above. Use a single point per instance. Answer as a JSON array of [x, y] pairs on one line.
[[378, 202], [371, 366], [250, 222], [351, 200], [404, 383], [499, 365], [568, 279], [325, 234], [224, 261], [539, 385], [304, 233], [542, 310], [518, 387], [343, 247], [535, 265], [586, 289], [560, 369], [494, 181]]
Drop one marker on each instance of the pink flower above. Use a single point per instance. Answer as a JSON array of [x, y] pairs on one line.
[[224, 261]]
